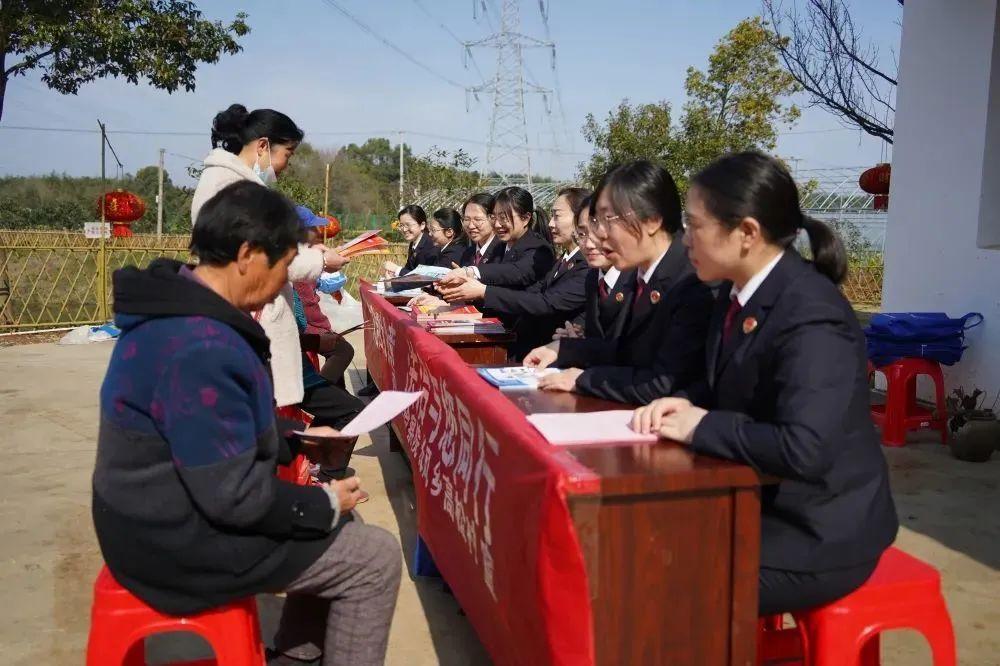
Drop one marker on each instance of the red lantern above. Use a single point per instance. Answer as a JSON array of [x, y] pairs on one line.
[[876, 181], [332, 228], [121, 208]]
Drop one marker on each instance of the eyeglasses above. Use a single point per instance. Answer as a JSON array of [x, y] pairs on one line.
[[477, 220], [608, 219]]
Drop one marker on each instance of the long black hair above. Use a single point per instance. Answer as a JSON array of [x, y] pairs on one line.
[[416, 212], [752, 184], [236, 127], [451, 220], [518, 201], [641, 190]]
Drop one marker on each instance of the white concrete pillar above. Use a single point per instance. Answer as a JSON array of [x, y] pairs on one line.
[[944, 206]]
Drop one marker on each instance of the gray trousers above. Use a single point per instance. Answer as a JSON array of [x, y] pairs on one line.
[[342, 605]]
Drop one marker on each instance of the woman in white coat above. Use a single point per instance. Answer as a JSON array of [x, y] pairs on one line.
[[257, 146]]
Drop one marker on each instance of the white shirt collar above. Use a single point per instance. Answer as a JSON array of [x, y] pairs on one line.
[[753, 284], [648, 275], [567, 257], [610, 277], [416, 241], [482, 248]]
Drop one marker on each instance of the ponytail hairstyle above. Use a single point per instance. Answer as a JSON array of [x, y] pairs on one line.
[[518, 201], [485, 200], [752, 184], [639, 191], [451, 220], [416, 212], [236, 127]]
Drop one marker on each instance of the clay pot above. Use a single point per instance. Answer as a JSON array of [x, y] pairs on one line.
[[975, 441]]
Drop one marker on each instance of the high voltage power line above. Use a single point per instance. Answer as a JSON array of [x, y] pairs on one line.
[[383, 132], [371, 31], [451, 34]]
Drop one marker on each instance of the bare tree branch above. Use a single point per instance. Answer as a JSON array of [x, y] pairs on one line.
[[823, 50]]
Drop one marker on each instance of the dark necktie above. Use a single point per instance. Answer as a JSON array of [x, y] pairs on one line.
[[640, 289], [602, 288], [479, 258], [727, 323]]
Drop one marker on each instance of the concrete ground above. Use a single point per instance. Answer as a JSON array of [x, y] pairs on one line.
[[49, 557]]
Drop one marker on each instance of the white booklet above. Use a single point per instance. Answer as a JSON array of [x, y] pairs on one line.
[[384, 408], [569, 428], [430, 271], [516, 377]]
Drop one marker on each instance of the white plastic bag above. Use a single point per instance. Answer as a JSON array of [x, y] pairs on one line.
[[344, 315], [78, 336]]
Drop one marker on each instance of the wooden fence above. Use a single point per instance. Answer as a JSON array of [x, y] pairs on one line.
[[59, 279]]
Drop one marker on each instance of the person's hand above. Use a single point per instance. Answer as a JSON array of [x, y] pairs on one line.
[[425, 299], [452, 278], [568, 330], [333, 261], [562, 381], [542, 357], [670, 418], [390, 269], [348, 492], [470, 290]]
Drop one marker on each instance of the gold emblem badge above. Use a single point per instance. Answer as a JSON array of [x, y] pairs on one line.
[[749, 325], [654, 297], [619, 297]]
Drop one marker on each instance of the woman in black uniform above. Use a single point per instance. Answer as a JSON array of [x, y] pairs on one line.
[[662, 347], [421, 251], [527, 255], [787, 388], [448, 235], [477, 218], [535, 313]]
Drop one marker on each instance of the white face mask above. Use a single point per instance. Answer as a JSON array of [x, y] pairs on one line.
[[266, 175]]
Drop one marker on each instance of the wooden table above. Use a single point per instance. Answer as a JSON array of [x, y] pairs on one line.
[[672, 545], [670, 540]]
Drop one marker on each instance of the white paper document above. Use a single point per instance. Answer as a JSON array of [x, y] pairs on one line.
[[588, 427], [384, 408]]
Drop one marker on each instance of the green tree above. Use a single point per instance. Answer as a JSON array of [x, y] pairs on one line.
[[379, 158], [440, 170], [643, 131], [77, 41], [736, 104]]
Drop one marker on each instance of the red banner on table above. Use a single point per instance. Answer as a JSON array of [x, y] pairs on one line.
[[490, 500]]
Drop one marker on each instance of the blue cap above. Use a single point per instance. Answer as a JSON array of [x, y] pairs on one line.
[[310, 219]]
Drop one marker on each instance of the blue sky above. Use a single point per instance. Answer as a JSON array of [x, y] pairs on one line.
[[341, 85]]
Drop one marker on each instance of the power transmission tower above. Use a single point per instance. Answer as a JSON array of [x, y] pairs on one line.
[[508, 127]]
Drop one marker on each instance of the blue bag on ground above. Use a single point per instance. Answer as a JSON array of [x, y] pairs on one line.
[[930, 335]]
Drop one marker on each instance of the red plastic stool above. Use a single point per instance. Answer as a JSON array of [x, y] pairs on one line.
[[119, 623], [902, 593], [901, 413]]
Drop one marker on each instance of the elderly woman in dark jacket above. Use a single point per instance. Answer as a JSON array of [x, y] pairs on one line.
[[187, 508]]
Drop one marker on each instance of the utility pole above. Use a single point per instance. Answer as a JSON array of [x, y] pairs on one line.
[[508, 127], [159, 200], [326, 191], [102, 264], [400, 169]]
